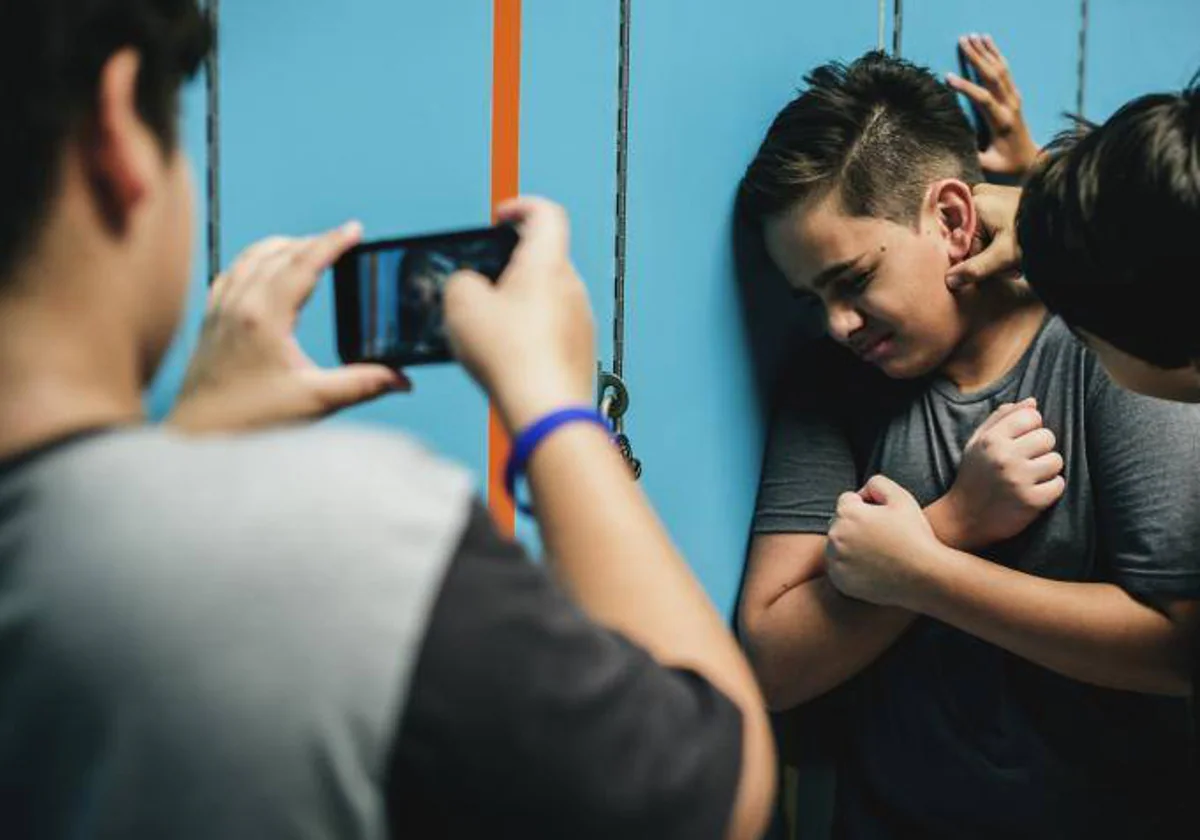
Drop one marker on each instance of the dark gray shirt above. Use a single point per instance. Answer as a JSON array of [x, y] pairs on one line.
[[946, 735]]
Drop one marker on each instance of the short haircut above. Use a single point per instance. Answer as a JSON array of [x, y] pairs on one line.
[[879, 131], [1110, 228], [51, 56]]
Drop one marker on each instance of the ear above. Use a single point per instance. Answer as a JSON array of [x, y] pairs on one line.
[[121, 152], [954, 208]]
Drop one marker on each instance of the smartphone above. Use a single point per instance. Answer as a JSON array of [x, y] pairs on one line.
[[983, 132], [388, 294]]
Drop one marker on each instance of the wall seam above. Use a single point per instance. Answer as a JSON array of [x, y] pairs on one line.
[[1081, 79], [898, 27]]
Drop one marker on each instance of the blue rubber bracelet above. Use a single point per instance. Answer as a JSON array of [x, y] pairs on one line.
[[529, 440]]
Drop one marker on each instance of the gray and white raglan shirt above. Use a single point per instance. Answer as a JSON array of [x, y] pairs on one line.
[[317, 634]]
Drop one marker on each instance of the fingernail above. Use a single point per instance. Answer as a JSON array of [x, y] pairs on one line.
[[352, 228]]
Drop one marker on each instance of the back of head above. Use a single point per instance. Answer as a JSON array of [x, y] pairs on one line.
[[879, 130], [1108, 224], [51, 55]]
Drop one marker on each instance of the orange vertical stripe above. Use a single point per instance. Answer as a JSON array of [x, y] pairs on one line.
[[506, 160]]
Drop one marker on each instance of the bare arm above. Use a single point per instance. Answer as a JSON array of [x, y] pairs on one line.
[[604, 541], [1092, 632], [885, 552], [803, 636]]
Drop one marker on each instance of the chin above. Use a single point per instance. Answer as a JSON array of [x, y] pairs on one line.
[[905, 367]]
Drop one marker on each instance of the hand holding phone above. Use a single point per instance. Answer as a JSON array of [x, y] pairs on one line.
[[983, 130], [1007, 149]]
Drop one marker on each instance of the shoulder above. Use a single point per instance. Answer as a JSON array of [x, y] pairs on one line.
[[160, 467], [229, 509]]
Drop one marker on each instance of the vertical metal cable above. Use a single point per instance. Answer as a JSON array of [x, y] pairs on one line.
[[898, 27], [622, 190], [212, 77], [882, 25], [1082, 69]]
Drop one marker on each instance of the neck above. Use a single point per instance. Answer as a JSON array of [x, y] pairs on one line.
[[1003, 319], [68, 358]]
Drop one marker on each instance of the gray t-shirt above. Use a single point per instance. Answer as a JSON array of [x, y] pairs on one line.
[[946, 735], [214, 638]]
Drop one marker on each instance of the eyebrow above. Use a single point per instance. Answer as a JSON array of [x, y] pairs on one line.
[[835, 272]]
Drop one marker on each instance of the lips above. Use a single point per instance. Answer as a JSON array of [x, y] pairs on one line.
[[872, 348]]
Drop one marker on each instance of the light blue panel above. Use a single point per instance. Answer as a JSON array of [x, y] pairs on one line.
[[161, 394], [569, 128], [569, 62], [366, 109], [1040, 38], [708, 77], [1137, 47]]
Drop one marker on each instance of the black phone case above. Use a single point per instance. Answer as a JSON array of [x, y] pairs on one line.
[[497, 242], [983, 132]]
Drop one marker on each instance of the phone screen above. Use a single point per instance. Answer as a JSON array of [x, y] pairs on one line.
[[389, 294]]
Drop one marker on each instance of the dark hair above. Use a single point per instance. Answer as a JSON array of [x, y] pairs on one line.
[[51, 55], [879, 130], [1110, 224]]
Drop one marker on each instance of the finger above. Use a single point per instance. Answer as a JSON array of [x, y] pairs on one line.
[[848, 502], [1002, 411], [881, 490], [981, 96], [341, 388], [1046, 467], [466, 293], [315, 258], [989, 46], [973, 49], [1047, 493], [1036, 443], [245, 271], [992, 260], [544, 228], [985, 62], [1019, 423]]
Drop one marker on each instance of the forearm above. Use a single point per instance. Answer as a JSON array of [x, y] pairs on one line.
[[614, 556], [1091, 632], [813, 638]]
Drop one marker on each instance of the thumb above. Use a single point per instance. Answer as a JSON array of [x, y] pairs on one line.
[[465, 292], [343, 387], [881, 490]]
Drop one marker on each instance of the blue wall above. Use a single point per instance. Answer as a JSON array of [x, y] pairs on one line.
[[708, 77], [1139, 47], [381, 111]]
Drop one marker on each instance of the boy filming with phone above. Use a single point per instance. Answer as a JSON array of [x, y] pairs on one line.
[[305, 632]]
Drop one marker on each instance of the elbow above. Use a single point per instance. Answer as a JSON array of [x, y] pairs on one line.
[[776, 682]]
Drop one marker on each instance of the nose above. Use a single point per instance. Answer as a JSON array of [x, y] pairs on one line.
[[842, 321]]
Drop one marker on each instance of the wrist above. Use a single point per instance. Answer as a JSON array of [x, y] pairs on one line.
[[524, 403], [946, 518], [928, 584]]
